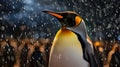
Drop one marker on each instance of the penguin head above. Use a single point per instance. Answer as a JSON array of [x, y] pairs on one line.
[[67, 18]]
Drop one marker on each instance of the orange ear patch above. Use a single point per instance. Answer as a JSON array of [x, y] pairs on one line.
[[78, 20]]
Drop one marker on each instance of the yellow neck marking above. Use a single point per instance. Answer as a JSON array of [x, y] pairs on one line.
[[64, 33], [65, 40]]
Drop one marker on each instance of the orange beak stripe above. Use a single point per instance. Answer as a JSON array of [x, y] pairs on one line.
[[55, 15]]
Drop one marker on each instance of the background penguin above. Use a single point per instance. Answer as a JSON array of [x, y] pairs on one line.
[[71, 46]]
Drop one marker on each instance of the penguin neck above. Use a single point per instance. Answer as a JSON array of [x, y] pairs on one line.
[[64, 32], [80, 29]]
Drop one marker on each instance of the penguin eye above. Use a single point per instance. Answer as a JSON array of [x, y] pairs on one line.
[[78, 20]]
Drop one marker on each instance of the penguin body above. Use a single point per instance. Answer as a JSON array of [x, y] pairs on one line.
[[65, 50], [71, 46]]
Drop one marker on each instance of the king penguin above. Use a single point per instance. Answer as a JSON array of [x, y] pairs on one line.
[[71, 46]]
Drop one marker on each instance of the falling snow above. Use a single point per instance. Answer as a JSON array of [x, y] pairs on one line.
[[23, 24]]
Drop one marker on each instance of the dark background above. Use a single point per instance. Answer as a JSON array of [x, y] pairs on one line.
[[102, 17]]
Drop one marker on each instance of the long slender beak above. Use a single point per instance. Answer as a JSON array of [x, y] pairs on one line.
[[57, 15]]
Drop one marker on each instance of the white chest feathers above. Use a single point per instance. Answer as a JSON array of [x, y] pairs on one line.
[[66, 51]]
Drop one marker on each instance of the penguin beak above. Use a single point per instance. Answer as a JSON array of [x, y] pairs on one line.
[[57, 15]]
